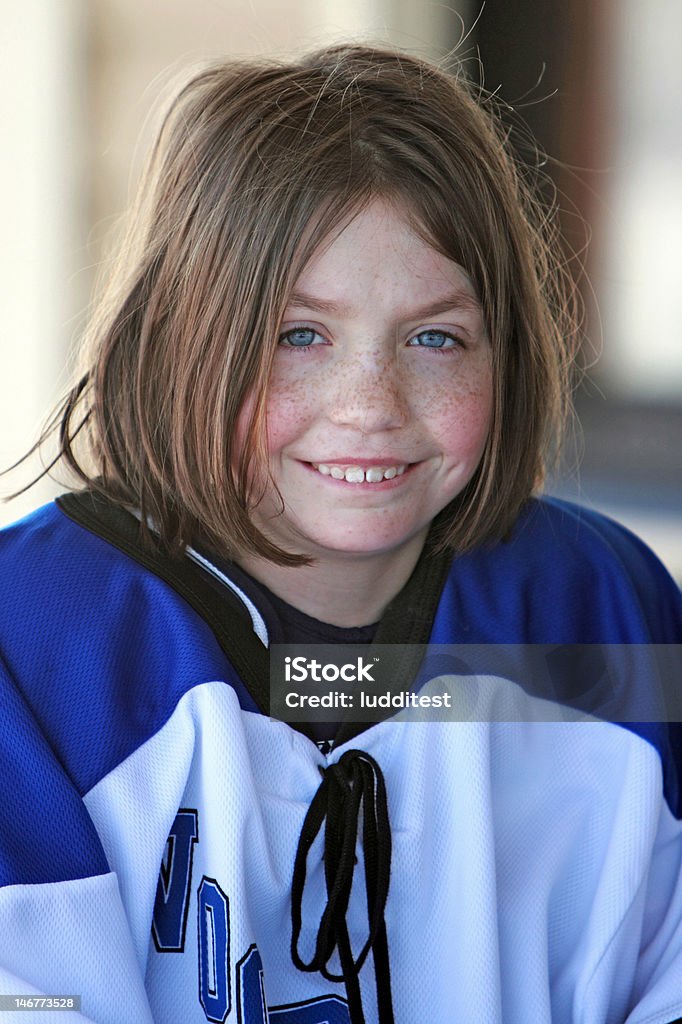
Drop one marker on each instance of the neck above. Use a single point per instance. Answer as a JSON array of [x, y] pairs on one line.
[[347, 590]]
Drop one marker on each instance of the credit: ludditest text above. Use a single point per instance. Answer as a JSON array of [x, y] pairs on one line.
[[341, 699]]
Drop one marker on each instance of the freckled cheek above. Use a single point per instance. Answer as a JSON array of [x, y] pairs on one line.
[[286, 403], [459, 419], [240, 427], [289, 412]]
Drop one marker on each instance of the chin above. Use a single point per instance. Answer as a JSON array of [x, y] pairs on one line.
[[360, 544]]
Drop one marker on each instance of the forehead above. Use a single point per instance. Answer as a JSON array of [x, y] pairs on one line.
[[377, 253]]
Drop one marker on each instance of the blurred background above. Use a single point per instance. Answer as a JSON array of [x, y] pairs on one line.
[[597, 82]]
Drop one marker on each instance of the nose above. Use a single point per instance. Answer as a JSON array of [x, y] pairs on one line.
[[368, 395]]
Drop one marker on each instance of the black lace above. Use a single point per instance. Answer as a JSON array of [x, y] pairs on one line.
[[355, 781]]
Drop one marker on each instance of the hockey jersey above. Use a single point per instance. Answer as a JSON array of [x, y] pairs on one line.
[[151, 811]]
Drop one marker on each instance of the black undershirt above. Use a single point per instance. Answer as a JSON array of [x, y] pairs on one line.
[[299, 628]]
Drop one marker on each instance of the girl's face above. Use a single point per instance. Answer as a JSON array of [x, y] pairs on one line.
[[380, 396]]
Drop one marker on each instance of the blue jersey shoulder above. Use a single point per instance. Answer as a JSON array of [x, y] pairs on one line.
[[82, 628], [566, 575]]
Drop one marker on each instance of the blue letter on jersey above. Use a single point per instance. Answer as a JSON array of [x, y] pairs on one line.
[[328, 1010], [251, 1000], [250, 994], [172, 891], [214, 950]]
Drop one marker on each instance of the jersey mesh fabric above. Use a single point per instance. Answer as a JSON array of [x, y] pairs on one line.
[[39, 806], [53, 937]]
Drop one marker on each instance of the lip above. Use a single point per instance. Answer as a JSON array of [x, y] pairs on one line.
[[352, 460]]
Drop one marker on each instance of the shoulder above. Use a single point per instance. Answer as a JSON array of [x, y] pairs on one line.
[[609, 565], [565, 529], [99, 648], [566, 574], [59, 576]]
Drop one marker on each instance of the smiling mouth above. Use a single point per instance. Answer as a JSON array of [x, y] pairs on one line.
[[357, 475]]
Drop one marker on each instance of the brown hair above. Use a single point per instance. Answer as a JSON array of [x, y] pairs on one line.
[[255, 163]]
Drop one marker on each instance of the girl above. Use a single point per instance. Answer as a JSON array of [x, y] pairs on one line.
[[319, 398]]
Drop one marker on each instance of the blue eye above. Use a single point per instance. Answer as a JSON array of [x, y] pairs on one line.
[[433, 339], [298, 337]]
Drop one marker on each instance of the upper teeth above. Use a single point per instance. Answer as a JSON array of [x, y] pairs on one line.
[[357, 475]]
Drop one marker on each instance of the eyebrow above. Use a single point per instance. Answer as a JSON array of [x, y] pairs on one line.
[[457, 300]]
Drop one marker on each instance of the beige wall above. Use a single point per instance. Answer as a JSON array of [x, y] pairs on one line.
[[41, 189]]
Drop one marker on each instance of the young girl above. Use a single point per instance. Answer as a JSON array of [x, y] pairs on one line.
[[319, 397]]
